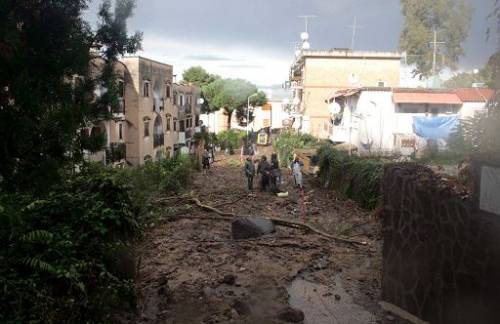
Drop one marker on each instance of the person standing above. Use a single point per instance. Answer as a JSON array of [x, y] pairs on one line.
[[249, 172], [264, 169], [296, 167], [205, 161], [275, 173]]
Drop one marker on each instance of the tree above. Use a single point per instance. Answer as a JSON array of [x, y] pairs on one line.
[[44, 45], [232, 95], [200, 77], [466, 79], [451, 19]]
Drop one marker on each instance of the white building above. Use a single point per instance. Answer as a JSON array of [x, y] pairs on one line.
[[382, 120]]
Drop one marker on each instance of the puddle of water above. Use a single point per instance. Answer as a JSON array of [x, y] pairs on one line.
[[320, 306]]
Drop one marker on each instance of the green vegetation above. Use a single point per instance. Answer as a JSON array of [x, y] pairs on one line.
[[66, 254], [451, 19], [288, 141], [228, 94], [354, 177], [231, 139]]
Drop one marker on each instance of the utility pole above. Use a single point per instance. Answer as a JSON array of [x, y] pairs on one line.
[[306, 20], [435, 44], [354, 27]]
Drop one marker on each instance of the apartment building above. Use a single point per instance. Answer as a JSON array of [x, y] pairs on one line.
[[147, 125], [186, 119], [317, 74]]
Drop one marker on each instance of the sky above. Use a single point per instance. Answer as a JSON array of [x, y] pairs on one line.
[[253, 39]]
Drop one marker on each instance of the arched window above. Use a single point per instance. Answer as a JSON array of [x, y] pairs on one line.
[[145, 88], [158, 132], [168, 122]]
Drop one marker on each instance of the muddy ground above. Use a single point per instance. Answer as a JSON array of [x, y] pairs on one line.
[[192, 271]]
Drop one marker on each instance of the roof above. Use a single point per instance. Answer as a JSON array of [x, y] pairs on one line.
[[345, 93], [426, 98], [475, 94], [347, 53]]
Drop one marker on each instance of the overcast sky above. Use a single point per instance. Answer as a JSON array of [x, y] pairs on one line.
[[252, 39]]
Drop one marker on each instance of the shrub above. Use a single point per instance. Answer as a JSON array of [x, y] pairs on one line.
[[354, 177], [231, 139], [55, 248], [288, 141]]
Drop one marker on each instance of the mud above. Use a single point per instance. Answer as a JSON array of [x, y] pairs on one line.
[[186, 262]]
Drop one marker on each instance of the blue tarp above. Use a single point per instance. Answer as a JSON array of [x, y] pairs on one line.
[[435, 128]]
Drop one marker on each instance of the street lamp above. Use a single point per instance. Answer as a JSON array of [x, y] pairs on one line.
[[248, 112]]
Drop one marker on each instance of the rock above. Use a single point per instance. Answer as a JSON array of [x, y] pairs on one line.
[[250, 227], [337, 297], [229, 279], [292, 315], [241, 307], [390, 318]]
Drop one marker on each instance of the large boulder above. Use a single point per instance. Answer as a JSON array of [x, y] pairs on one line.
[[250, 227]]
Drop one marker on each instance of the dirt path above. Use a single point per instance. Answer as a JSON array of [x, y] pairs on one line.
[[193, 272]]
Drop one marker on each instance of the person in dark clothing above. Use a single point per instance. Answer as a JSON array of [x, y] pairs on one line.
[[264, 169], [249, 172], [275, 173], [205, 161]]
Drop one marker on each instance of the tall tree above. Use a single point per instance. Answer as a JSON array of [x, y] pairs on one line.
[[200, 77], [232, 95], [43, 46], [450, 19]]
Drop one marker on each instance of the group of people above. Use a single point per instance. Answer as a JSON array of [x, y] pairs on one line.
[[270, 173]]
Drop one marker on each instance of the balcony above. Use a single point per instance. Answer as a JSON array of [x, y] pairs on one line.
[[116, 152]]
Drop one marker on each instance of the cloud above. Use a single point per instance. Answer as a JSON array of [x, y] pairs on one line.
[[206, 57]]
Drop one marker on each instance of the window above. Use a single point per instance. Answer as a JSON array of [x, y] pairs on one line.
[[120, 131], [175, 124], [146, 128], [121, 89], [168, 123], [181, 100], [197, 121], [175, 98], [181, 126], [167, 90], [381, 84], [145, 89]]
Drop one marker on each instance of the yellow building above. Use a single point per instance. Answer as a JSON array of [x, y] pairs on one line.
[[317, 74]]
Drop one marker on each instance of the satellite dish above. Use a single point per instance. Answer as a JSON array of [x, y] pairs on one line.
[[306, 45], [334, 108], [304, 36]]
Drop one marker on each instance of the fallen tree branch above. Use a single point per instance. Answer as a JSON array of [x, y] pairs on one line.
[[281, 222]]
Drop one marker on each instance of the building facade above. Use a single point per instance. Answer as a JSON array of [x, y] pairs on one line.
[[317, 74], [384, 120], [185, 116], [147, 125]]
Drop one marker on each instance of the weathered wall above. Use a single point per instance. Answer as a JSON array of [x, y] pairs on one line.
[[441, 254]]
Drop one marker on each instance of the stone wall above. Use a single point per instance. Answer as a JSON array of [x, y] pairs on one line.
[[441, 253]]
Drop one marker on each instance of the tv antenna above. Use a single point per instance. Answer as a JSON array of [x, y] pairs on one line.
[[306, 20], [354, 27]]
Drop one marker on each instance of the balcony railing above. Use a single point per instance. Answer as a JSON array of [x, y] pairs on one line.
[[158, 140], [116, 152]]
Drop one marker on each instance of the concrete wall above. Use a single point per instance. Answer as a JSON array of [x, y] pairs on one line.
[[441, 254]]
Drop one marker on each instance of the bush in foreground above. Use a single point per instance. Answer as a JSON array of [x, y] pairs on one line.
[[354, 177]]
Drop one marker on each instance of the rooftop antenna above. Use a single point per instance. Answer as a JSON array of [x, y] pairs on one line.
[[354, 27], [435, 44], [306, 20], [304, 36]]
